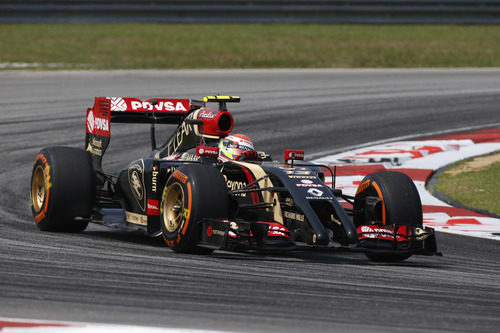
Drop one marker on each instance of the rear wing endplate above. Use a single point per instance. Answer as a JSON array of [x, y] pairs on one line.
[[130, 110]]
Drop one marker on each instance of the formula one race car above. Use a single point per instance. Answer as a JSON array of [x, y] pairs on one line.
[[202, 191]]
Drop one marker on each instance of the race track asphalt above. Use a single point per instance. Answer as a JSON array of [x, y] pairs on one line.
[[102, 275]]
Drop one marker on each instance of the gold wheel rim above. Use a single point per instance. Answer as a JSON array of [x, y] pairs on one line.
[[173, 207], [38, 188]]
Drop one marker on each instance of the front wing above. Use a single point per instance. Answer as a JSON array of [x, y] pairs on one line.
[[267, 236]]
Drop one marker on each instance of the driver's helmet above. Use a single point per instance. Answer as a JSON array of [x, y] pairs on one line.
[[233, 146]]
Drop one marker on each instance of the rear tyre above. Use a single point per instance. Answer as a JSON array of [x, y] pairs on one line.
[[398, 203], [192, 193], [62, 189]]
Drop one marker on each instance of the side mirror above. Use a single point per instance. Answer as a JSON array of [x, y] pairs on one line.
[[293, 155]]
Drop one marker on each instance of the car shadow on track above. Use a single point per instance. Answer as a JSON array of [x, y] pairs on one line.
[[134, 237], [333, 257], [321, 256]]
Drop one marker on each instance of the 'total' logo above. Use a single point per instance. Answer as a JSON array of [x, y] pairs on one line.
[[153, 207]]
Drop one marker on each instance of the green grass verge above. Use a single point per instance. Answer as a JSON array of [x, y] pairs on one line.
[[473, 185], [177, 46]]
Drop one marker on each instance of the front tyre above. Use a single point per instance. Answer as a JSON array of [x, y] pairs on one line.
[[192, 193], [62, 189], [387, 198]]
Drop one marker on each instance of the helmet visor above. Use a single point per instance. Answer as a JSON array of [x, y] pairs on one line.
[[233, 147]]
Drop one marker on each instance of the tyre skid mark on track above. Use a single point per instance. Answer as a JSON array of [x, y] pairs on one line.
[[420, 158]]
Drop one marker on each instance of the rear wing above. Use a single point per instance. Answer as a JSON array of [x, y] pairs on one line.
[[107, 110], [165, 110], [130, 110]]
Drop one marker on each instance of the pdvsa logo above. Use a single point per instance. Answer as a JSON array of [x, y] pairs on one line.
[[102, 124], [90, 122], [96, 124], [118, 104], [161, 106]]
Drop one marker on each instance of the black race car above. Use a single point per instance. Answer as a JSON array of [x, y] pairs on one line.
[[184, 193]]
